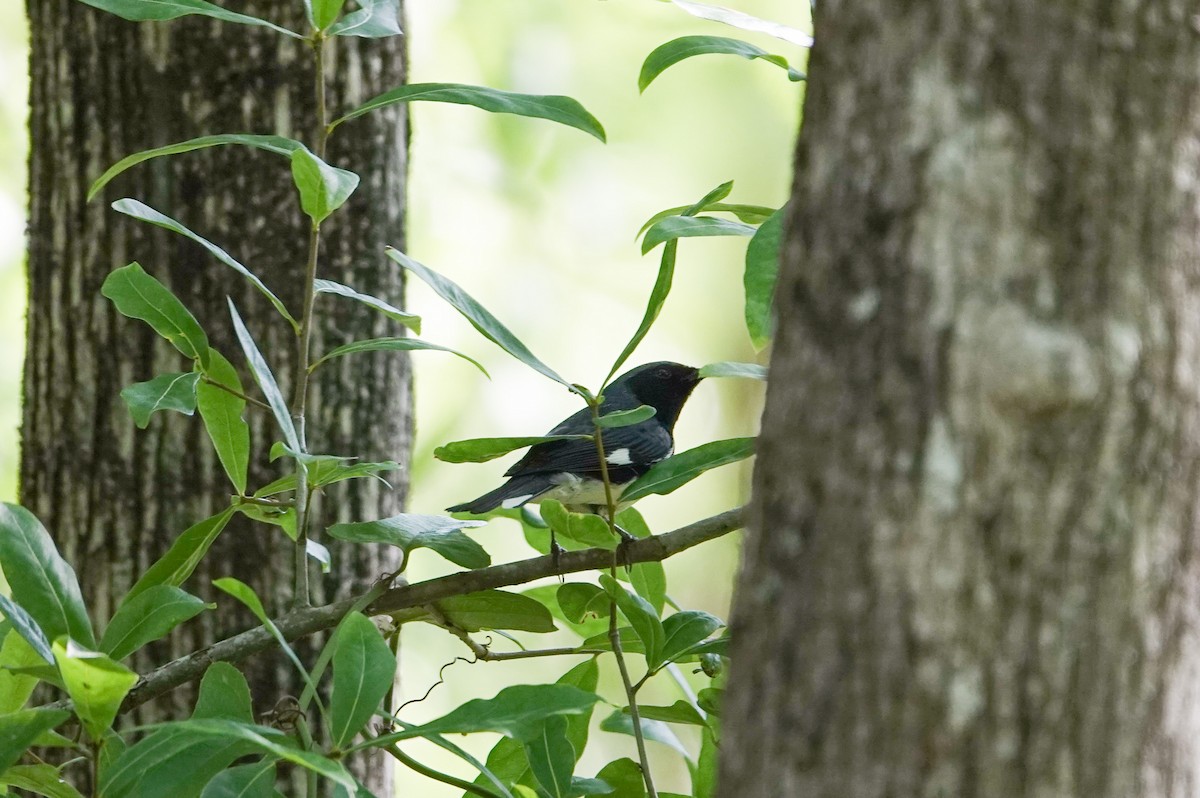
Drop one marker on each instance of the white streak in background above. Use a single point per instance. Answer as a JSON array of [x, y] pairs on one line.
[[619, 457]]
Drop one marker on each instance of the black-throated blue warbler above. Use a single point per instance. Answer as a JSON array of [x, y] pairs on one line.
[[569, 471]]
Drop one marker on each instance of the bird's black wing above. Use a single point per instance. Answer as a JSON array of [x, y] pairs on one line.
[[638, 446]]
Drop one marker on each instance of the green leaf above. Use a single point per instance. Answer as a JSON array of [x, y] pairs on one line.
[[224, 693], [222, 411], [24, 625], [585, 528], [266, 380], [564, 110], [325, 12], [674, 227], [650, 581], [40, 579], [582, 601], [39, 779], [165, 392], [762, 270], [704, 777], [625, 777], [174, 567], [744, 21], [96, 684], [496, 609], [325, 472], [375, 19], [626, 418], [149, 616], [276, 144], [552, 758], [363, 671], [642, 618], [546, 595], [676, 50], [620, 723], [244, 781], [750, 214], [679, 712], [157, 10], [677, 470], [139, 296], [393, 345], [144, 213], [685, 629], [727, 368], [323, 188], [477, 314], [16, 688], [710, 699], [394, 313], [20, 729], [409, 531], [480, 450]]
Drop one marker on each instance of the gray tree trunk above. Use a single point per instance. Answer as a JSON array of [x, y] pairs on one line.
[[973, 563], [115, 497]]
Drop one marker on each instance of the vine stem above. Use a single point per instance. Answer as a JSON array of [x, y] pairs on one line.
[[614, 635], [437, 775]]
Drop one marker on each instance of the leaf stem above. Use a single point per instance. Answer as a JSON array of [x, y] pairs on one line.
[[437, 775], [256, 402]]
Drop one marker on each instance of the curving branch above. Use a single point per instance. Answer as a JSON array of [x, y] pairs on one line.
[[310, 620]]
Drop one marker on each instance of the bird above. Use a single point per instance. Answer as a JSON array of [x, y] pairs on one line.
[[569, 470]]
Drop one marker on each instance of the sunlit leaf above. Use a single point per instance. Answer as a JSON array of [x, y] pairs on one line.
[[25, 626], [480, 450], [363, 670], [744, 21], [147, 617], [409, 531], [157, 10], [626, 418], [375, 303], [324, 12], [139, 296], [165, 392], [728, 368], [222, 409], [224, 693], [676, 50], [323, 188], [680, 469], [266, 380], [392, 345], [674, 227], [750, 214], [96, 684], [16, 688], [375, 19], [762, 270]]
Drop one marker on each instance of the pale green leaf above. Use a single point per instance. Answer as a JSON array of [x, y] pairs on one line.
[[139, 296], [165, 392], [676, 50]]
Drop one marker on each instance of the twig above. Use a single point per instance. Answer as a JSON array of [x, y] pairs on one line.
[[257, 402], [437, 775]]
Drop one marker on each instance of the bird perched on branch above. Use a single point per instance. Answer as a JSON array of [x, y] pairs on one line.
[[569, 470]]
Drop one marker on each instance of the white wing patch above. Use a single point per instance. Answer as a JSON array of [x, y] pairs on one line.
[[619, 457], [515, 501]]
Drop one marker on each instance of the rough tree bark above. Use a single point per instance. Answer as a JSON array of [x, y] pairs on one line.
[[113, 496], [973, 569]]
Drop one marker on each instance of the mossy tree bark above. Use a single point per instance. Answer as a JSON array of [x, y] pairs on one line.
[[115, 497], [973, 563]]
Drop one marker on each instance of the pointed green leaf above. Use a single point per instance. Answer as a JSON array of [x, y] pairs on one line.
[[674, 227], [496, 609], [479, 316], [363, 671], [710, 699], [25, 626], [585, 528], [40, 780], [394, 313], [139, 296], [392, 345], [744, 21], [40, 579], [685, 629], [625, 777], [762, 269], [642, 618], [556, 108], [582, 601], [704, 778], [276, 144], [266, 380], [19, 730], [16, 688], [552, 758], [324, 473], [172, 761], [679, 712], [147, 617], [325, 12], [222, 413], [375, 19], [409, 531], [750, 214], [144, 213], [678, 470], [480, 450], [620, 723], [626, 418], [157, 10], [244, 781], [727, 368], [224, 693], [165, 392], [174, 567], [676, 50], [323, 188], [96, 684]]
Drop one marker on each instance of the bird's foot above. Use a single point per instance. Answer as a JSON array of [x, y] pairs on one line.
[[556, 552], [623, 546]]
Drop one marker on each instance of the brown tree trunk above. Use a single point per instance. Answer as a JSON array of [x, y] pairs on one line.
[[113, 496], [973, 568]]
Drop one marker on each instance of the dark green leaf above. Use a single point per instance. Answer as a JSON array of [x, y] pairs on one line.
[[685, 629], [363, 671], [139, 296], [323, 188], [96, 684], [585, 528], [393, 345], [394, 313], [762, 269], [679, 712], [325, 12], [625, 777], [244, 781], [674, 227], [275, 144], [375, 19], [620, 723], [582, 601], [174, 567], [410, 531], [156, 10], [552, 758], [40, 780], [224, 693], [597, 786], [626, 418], [631, 643], [678, 470], [266, 380], [16, 688], [506, 761], [496, 609], [165, 392], [328, 472], [642, 618], [18, 731], [480, 450], [750, 214], [24, 625], [222, 411], [710, 699], [677, 50], [477, 314], [744, 21], [144, 213], [728, 368], [564, 110], [148, 617], [546, 596], [40, 579], [704, 778], [585, 676], [172, 761]]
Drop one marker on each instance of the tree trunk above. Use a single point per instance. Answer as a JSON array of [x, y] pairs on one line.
[[113, 496], [973, 567]]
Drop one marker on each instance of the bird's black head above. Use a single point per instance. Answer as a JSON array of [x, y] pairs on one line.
[[665, 386]]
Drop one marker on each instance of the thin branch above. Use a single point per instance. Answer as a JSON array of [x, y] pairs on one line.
[[245, 398], [437, 775]]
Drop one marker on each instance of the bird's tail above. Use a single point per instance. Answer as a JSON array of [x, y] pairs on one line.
[[513, 493]]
